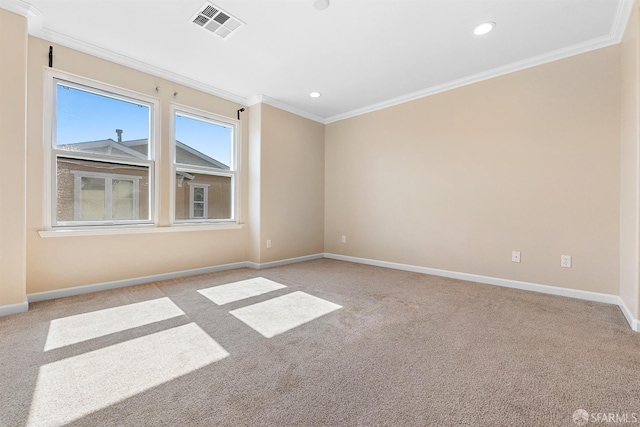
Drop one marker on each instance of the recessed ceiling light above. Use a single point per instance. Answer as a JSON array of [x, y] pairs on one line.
[[315, 94], [484, 28], [321, 4]]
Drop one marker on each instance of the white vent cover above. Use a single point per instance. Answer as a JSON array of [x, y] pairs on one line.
[[216, 20]]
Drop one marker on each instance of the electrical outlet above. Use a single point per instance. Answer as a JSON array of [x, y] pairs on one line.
[[344, 239], [565, 261], [515, 256], [268, 244]]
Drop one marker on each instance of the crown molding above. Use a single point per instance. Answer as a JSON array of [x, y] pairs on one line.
[[20, 7], [37, 29], [621, 20], [623, 13], [293, 110], [253, 100], [70, 42], [603, 41], [263, 99], [614, 37]]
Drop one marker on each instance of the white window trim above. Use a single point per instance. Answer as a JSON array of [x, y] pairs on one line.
[[192, 201], [233, 172], [51, 76], [108, 191], [138, 229]]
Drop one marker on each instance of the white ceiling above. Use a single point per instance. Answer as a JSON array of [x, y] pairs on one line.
[[360, 54]]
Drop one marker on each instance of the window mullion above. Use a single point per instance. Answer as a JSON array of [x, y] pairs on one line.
[[205, 201], [77, 197], [136, 199], [108, 194]]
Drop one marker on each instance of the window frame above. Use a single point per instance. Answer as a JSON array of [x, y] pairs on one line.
[[52, 153], [232, 172]]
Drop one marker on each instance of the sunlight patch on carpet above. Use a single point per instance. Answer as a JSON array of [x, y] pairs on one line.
[[71, 388], [281, 314], [237, 291], [82, 327]]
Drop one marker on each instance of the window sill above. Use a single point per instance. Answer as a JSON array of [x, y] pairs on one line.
[[73, 232]]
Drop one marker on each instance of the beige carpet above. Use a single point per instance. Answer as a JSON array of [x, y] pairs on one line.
[[376, 347]]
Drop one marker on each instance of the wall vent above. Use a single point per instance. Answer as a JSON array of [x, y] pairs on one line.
[[216, 20]]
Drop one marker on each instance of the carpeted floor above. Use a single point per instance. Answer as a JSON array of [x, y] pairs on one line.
[[387, 348]]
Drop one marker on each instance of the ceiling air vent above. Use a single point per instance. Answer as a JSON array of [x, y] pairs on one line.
[[214, 19]]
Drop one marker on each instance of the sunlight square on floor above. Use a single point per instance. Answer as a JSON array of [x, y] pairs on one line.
[[236, 291], [71, 388], [83, 327], [280, 314]]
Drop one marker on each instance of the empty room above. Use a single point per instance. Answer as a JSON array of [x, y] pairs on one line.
[[319, 212]]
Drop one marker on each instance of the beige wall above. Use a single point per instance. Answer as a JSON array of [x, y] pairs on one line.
[[456, 181], [54, 263], [629, 166], [282, 183], [254, 156], [13, 85], [292, 185]]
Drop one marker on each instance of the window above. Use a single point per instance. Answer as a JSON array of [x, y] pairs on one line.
[[102, 158], [205, 152], [198, 200], [102, 196]]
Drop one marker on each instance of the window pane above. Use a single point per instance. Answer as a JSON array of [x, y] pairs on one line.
[[202, 143], [219, 196], [91, 123], [198, 210], [198, 194], [122, 203], [92, 199], [100, 191]]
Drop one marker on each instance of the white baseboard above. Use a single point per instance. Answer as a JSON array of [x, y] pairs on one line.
[[9, 309], [633, 322], [527, 286], [288, 261], [552, 290], [79, 290]]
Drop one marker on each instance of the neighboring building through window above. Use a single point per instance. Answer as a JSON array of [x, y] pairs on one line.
[[205, 167], [99, 177]]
